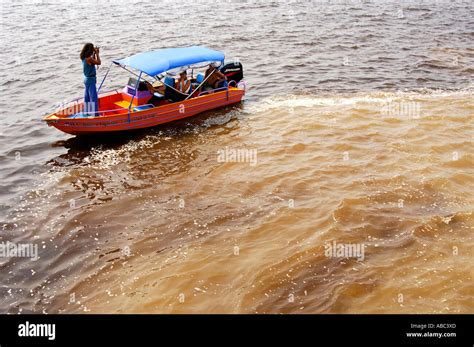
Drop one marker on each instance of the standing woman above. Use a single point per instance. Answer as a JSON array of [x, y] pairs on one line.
[[90, 58]]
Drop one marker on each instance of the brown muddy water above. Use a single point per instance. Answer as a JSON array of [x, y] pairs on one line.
[[342, 184]]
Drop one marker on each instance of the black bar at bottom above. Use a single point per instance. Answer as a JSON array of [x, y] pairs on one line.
[[415, 330]]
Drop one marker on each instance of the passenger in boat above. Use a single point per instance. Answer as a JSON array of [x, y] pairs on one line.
[[184, 85], [216, 80], [90, 58], [157, 93], [152, 89]]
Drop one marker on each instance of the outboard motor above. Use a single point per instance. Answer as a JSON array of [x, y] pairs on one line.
[[233, 71]]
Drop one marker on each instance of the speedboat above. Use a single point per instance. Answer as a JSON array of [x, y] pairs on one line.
[[132, 107]]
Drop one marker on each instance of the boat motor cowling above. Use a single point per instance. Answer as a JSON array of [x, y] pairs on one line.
[[233, 71]]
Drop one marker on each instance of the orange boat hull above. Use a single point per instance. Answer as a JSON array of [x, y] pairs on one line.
[[146, 118]]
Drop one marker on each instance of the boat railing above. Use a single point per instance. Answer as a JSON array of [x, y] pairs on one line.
[[104, 112], [113, 110], [61, 108], [229, 84], [76, 100], [213, 91]]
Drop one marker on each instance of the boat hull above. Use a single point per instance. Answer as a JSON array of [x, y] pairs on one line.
[[145, 118]]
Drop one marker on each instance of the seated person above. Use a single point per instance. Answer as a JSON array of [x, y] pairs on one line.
[[217, 79], [183, 84], [157, 92]]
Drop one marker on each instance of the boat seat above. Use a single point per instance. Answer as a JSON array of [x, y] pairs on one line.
[[199, 77], [143, 107], [122, 103], [197, 82], [169, 81]]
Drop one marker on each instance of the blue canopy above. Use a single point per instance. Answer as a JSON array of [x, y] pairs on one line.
[[155, 62]]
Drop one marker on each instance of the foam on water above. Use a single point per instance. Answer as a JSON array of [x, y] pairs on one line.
[[380, 98]]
